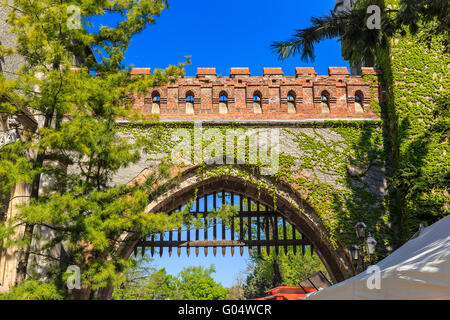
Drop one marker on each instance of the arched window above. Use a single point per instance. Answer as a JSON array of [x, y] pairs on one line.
[[291, 103], [257, 107], [190, 102], [156, 99], [325, 102], [359, 102], [223, 103]]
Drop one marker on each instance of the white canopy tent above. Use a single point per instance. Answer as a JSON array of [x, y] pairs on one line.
[[420, 269]]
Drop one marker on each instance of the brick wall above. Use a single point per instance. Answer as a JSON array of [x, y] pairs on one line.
[[273, 87]]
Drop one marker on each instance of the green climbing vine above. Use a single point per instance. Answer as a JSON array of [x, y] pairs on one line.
[[317, 163], [417, 94]]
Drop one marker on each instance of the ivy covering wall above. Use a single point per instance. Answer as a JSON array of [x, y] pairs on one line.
[[415, 75], [338, 167]]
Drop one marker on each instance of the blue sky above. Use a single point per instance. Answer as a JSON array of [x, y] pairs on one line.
[[232, 33], [225, 34]]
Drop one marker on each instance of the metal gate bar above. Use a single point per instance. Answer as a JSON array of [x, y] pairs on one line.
[[265, 229]]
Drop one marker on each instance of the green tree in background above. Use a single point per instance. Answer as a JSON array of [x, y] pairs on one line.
[[34, 290], [81, 210], [269, 271], [196, 283], [236, 291], [147, 283], [359, 42]]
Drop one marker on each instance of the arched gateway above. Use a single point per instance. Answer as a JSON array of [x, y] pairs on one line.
[[308, 183], [286, 208]]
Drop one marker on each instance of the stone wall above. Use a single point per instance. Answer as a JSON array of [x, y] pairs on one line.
[[288, 146], [10, 63], [241, 96]]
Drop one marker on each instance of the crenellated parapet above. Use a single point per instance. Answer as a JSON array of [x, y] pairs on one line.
[[270, 96]]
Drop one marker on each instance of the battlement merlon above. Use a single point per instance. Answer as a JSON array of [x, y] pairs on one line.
[[241, 96]]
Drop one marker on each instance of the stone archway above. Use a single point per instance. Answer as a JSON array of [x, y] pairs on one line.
[[182, 185]]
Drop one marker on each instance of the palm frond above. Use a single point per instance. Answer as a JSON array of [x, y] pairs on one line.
[[325, 27], [359, 42]]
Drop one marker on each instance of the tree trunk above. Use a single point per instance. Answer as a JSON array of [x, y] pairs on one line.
[[24, 253], [277, 276]]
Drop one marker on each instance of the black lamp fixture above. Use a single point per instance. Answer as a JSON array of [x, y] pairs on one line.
[[357, 253]]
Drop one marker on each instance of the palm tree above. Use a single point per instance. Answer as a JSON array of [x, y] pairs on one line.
[[358, 41]]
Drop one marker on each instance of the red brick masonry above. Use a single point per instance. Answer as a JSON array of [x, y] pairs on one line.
[[305, 88]]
